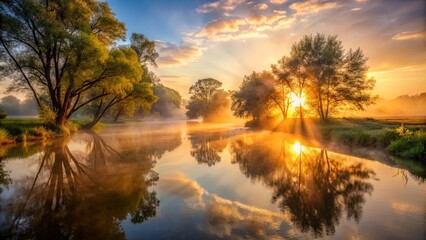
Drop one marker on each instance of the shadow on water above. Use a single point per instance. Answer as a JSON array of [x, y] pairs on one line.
[[83, 192], [313, 187]]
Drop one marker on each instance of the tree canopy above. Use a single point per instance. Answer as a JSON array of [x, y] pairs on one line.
[[259, 95], [207, 100], [168, 101]]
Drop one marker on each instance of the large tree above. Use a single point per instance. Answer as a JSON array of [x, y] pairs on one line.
[[61, 50], [207, 100], [331, 78]]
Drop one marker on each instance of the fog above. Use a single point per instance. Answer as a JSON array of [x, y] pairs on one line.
[[404, 105], [15, 107]]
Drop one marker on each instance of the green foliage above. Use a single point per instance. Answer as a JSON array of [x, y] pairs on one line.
[[168, 100], [144, 48], [386, 136], [3, 114], [47, 116], [207, 100], [413, 147], [4, 135]]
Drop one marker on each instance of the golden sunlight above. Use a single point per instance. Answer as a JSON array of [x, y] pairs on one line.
[[298, 148], [296, 100]]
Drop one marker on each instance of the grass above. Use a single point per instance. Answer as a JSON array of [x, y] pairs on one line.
[[404, 138], [23, 130]]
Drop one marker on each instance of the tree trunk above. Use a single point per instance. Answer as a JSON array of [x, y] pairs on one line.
[[118, 114]]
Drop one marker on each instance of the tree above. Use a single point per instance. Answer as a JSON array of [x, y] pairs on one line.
[[146, 53], [207, 100], [129, 89], [60, 50], [332, 78], [259, 95], [168, 101]]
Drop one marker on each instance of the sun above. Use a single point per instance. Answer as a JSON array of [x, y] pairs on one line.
[[297, 101]]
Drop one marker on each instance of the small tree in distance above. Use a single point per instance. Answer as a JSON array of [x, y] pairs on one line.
[[207, 100]]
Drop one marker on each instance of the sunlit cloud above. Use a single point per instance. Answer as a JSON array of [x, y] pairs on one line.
[[223, 6], [216, 27], [409, 35], [169, 76], [311, 6], [277, 1], [355, 9], [261, 6], [174, 55]]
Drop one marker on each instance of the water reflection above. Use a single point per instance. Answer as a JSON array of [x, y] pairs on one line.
[[313, 187], [81, 193], [207, 146]]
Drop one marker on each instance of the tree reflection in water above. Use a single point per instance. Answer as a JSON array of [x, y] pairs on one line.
[[313, 187], [206, 146], [81, 194]]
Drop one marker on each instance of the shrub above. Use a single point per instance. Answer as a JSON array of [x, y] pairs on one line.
[[413, 147], [3, 114], [47, 116], [364, 139], [347, 138], [3, 134], [386, 136], [38, 132]]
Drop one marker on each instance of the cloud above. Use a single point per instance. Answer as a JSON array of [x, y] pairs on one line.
[[216, 27], [277, 1], [223, 6], [409, 35], [181, 186], [355, 9], [174, 55], [311, 6], [240, 28], [169, 76], [261, 6]]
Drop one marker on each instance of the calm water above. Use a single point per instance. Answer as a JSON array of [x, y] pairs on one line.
[[187, 181]]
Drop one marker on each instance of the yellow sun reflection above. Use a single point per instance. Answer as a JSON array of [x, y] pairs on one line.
[[298, 148]]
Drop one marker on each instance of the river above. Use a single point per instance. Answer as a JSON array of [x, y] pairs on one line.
[[179, 180]]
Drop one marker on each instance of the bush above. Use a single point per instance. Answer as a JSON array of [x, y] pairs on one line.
[[3, 114], [364, 139], [3, 134], [347, 138], [413, 147], [386, 136], [47, 116], [38, 132]]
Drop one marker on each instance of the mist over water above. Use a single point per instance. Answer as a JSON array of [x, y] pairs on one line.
[[192, 180]]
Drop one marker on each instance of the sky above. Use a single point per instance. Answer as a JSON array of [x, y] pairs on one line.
[[227, 39]]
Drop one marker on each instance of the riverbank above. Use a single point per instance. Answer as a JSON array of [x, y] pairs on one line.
[[27, 130], [400, 137]]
